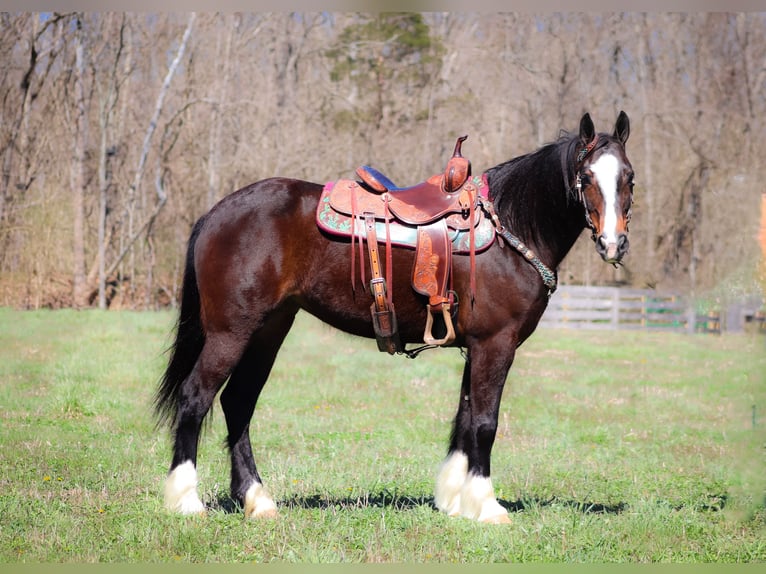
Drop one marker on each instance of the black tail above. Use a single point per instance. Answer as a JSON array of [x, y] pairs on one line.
[[190, 338]]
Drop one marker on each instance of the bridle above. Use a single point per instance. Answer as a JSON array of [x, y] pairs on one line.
[[582, 155], [579, 162]]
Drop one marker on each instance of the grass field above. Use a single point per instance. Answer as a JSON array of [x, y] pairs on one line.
[[612, 447]]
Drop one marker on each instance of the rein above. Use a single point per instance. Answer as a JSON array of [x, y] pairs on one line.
[[546, 273]]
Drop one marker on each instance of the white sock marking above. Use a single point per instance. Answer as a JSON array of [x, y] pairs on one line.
[[478, 502], [461, 494], [181, 490], [449, 483], [258, 503]]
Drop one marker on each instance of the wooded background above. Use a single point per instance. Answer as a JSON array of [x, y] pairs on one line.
[[118, 130]]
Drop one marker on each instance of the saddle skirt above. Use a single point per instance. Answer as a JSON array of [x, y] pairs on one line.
[[337, 215]]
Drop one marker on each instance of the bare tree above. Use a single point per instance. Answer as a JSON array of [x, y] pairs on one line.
[[109, 96], [135, 231]]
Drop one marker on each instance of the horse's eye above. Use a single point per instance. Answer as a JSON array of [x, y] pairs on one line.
[[585, 179]]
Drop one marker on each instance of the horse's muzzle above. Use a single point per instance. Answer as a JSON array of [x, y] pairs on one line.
[[612, 251]]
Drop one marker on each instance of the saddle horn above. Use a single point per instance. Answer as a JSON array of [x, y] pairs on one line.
[[458, 169]]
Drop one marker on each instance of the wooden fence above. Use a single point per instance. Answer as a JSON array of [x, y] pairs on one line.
[[581, 307]]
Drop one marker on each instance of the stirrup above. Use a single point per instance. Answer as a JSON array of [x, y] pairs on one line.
[[449, 337]]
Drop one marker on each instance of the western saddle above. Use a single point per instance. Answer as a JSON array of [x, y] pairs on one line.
[[433, 217]]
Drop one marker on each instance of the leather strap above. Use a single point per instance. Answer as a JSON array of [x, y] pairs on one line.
[[584, 153], [432, 271], [548, 276], [377, 283]]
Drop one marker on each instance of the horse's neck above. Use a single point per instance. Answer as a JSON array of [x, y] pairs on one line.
[[564, 224], [536, 206], [554, 248]]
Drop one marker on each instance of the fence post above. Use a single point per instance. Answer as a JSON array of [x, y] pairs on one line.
[[691, 319], [733, 319], [616, 309], [643, 311]]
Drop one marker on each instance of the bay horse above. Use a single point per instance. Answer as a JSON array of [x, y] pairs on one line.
[[258, 257]]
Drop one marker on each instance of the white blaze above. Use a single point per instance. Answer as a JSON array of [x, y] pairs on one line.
[[606, 169]]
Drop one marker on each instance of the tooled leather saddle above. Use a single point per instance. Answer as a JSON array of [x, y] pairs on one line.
[[437, 218]]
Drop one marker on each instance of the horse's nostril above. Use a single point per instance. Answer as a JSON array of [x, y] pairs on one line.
[[622, 242]]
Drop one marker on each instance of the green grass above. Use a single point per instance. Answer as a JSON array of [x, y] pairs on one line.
[[612, 447]]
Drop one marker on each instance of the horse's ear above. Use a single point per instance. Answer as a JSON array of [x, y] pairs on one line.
[[622, 127], [587, 131]]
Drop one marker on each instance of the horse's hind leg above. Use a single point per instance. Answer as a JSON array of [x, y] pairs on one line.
[[238, 400], [216, 361]]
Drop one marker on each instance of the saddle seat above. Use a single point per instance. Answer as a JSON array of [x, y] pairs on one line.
[[430, 200]]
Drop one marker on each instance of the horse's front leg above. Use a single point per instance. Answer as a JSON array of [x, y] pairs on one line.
[[464, 486]]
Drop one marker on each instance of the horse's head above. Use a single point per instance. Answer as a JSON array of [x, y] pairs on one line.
[[604, 182]]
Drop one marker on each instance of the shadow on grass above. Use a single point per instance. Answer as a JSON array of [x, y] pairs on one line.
[[584, 507], [387, 499]]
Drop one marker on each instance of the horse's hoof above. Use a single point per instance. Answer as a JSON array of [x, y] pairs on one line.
[[268, 514], [498, 519], [192, 509], [258, 503]]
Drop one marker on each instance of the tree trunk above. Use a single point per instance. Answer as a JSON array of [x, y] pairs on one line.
[[106, 152], [231, 25], [79, 286], [17, 142], [645, 82]]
